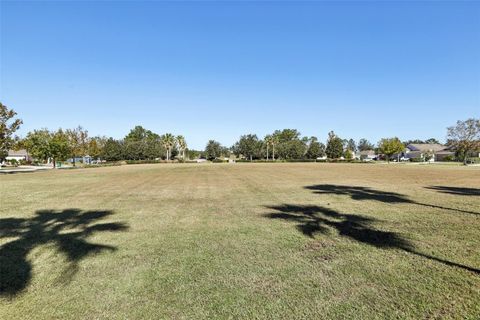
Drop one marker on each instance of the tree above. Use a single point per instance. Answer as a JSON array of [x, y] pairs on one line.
[[213, 150], [112, 150], [248, 146], [432, 141], [315, 149], [288, 144], [193, 154], [182, 145], [268, 142], [464, 137], [95, 146], [153, 146], [334, 148], [138, 133], [274, 142], [348, 154], [78, 141], [352, 146], [43, 144], [390, 146], [168, 141], [365, 145], [59, 146], [414, 141], [8, 126]]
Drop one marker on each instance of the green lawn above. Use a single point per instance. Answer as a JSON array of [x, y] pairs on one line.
[[270, 241]]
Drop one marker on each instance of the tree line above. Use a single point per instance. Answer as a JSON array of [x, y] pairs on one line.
[[143, 144]]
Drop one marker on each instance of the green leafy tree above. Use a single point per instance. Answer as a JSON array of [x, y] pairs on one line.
[[249, 146], [78, 141], [44, 145], [315, 149], [334, 149], [193, 154], [141, 144], [153, 147], [365, 145], [352, 146], [432, 141], [113, 150], [213, 150], [464, 137], [348, 155], [289, 145], [8, 126], [138, 133], [390, 146], [413, 141], [95, 146]]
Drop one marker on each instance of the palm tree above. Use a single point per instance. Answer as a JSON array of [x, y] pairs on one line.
[[274, 141], [168, 141], [182, 145], [268, 142]]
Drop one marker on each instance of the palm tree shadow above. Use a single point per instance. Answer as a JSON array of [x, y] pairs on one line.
[[68, 230], [456, 190], [317, 219], [366, 193]]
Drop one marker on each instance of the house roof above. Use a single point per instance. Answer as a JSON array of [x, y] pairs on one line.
[[367, 153], [426, 147], [17, 153]]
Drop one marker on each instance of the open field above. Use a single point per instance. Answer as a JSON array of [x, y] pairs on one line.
[[269, 241]]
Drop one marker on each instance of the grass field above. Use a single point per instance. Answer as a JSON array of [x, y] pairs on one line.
[[271, 241]]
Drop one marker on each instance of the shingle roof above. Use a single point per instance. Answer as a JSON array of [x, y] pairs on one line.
[[367, 153], [426, 147], [17, 153]]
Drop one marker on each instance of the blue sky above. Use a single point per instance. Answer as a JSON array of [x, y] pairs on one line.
[[221, 69]]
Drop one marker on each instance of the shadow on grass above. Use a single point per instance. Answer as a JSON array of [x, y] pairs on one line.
[[366, 193], [456, 190], [317, 219], [68, 230]]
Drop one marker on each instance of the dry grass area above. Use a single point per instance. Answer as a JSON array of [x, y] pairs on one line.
[[269, 241]]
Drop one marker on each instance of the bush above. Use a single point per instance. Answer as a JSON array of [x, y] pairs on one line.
[[416, 159], [475, 160], [449, 158], [219, 161], [24, 162], [13, 162], [148, 161]]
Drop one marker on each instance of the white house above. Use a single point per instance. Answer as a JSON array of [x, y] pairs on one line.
[[19, 155]]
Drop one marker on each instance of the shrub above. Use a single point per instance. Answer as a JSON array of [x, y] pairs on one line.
[[148, 161], [219, 161], [474, 160], [449, 158]]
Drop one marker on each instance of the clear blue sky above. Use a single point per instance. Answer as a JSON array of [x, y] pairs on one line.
[[221, 69]]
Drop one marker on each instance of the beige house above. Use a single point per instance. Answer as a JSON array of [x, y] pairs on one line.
[[420, 150]]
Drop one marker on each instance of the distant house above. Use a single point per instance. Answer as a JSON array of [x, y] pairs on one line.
[[419, 150], [19, 155], [368, 155], [82, 159]]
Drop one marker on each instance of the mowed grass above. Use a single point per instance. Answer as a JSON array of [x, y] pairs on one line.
[[256, 241]]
